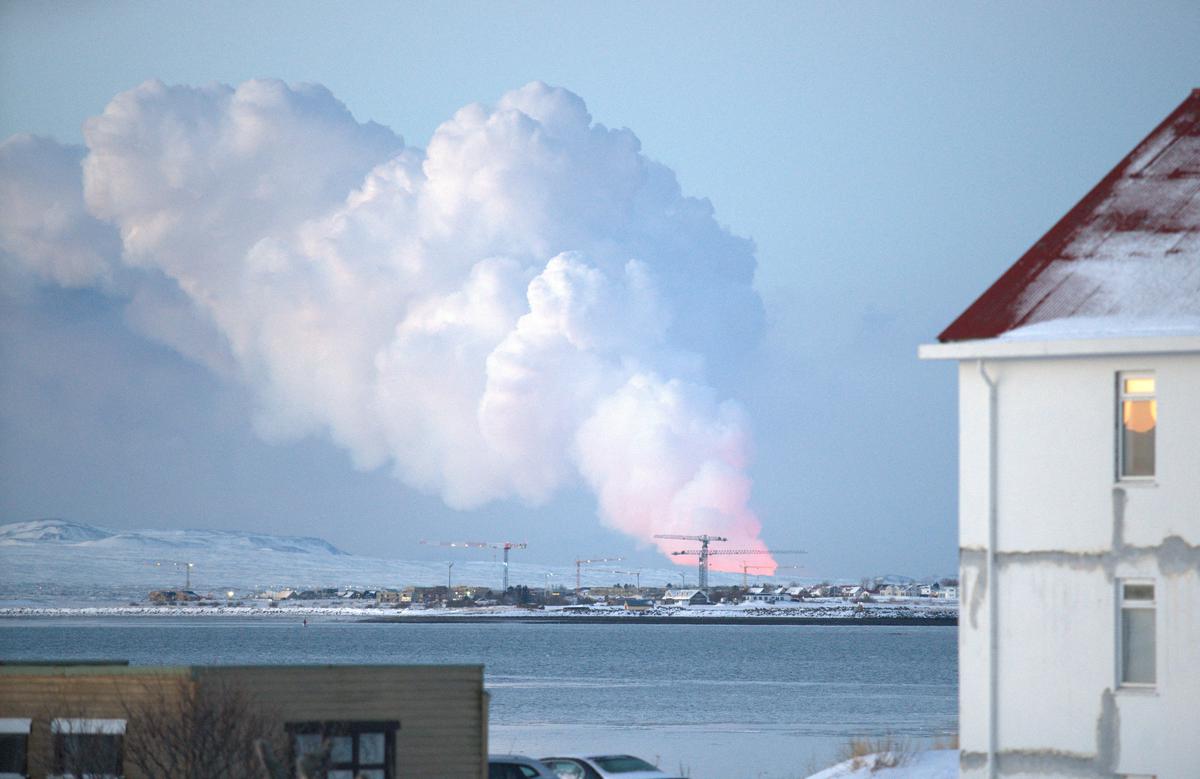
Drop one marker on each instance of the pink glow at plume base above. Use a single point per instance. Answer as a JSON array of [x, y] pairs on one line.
[[761, 564]]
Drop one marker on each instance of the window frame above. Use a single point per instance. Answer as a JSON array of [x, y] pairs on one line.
[[89, 726], [17, 726], [1122, 396], [1124, 604], [353, 728]]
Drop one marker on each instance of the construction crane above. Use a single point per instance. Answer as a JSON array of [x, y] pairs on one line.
[[704, 552], [505, 545], [580, 563], [746, 568], [187, 568], [637, 578]]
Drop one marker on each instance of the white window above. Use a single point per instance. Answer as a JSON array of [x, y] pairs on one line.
[[1137, 421], [351, 750], [92, 748], [1136, 640], [14, 748]]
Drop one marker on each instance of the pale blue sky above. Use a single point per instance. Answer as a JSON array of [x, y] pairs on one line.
[[888, 159]]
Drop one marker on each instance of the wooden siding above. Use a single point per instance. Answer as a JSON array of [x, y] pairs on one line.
[[442, 710]]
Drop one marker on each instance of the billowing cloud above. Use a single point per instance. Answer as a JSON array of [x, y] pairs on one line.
[[45, 230], [528, 304]]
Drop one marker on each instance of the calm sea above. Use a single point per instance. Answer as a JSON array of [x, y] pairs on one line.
[[711, 701]]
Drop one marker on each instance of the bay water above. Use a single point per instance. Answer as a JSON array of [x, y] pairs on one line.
[[706, 701]]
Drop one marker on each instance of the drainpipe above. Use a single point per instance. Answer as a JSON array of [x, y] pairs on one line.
[[992, 584]]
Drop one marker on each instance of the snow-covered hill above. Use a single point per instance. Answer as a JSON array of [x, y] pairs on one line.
[[61, 531], [49, 561]]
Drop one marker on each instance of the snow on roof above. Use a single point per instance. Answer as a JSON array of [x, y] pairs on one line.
[[674, 594], [1124, 261]]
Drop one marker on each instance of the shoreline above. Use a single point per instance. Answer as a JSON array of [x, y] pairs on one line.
[[600, 619], [554, 618]]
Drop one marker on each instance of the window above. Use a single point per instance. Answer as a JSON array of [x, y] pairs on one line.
[[1138, 414], [356, 750], [91, 748], [565, 769], [1136, 639], [14, 742], [623, 764], [498, 770]]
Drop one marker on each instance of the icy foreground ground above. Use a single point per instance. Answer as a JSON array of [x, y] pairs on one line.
[[934, 764]]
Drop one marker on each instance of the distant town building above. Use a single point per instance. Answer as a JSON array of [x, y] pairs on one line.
[[766, 594], [684, 598], [1079, 640]]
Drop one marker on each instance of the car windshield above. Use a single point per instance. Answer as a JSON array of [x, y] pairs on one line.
[[622, 764]]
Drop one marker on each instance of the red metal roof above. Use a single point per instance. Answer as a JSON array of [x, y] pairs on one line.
[[1129, 251]]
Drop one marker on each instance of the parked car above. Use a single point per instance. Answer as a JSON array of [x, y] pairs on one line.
[[517, 767], [603, 767]]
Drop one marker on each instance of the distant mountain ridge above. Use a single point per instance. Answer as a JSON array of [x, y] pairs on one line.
[[57, 561], [62, 531]]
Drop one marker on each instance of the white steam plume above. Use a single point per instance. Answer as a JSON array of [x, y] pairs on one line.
[[528, 303]]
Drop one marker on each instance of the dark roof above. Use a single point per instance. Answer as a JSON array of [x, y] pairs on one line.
[[1128, 252]]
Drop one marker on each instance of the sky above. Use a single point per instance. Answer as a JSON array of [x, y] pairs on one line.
[[870, 170]]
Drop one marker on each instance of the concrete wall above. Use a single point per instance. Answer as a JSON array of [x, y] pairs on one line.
[[442, 710], [1067, 531]]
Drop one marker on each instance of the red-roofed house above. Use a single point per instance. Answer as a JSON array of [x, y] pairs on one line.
[[1079, 483]]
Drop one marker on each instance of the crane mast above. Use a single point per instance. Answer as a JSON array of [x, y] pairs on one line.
[[704, 553], [503, 545]]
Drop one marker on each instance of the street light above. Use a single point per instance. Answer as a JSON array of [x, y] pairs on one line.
[[449, 589], [229, 598]]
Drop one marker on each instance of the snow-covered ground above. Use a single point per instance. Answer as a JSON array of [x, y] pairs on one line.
[[934, 764], [820, 608], [56, 567]]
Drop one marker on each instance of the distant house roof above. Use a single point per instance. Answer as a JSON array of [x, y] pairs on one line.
[[1124, 261], [683, 594]]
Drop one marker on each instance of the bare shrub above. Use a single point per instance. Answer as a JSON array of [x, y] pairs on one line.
[[186, 728], [888, 751], [81, 753]]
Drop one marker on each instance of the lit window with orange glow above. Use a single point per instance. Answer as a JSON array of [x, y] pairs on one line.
[[1138, 422]]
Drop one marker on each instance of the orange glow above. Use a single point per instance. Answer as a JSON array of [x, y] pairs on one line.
[[1140, 416]]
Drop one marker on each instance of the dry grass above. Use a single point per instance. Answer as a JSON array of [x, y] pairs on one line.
[[891, 751]]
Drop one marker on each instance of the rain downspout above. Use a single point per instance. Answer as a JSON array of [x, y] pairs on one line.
[[992, 600]]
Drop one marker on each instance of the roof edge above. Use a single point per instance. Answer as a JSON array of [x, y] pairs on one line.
[[999, 349]]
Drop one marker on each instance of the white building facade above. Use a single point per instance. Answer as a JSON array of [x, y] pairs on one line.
[[1079, 484]]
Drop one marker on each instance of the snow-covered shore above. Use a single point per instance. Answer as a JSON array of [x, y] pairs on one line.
[[816, 609], [933, 764]]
